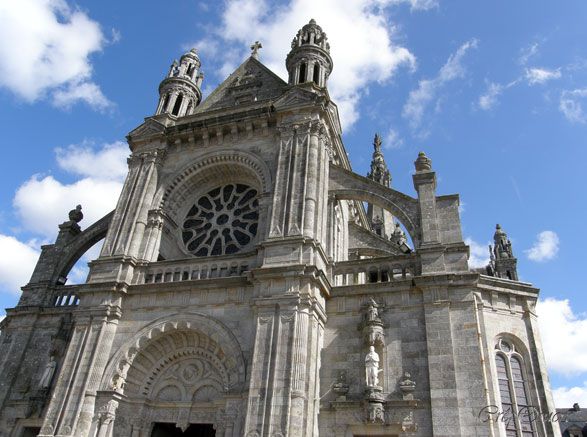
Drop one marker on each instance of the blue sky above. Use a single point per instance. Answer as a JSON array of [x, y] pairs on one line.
[[494, 92]]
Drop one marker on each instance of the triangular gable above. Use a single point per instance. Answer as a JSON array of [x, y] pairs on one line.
[[148, 128], [251, 82], [296, 96]]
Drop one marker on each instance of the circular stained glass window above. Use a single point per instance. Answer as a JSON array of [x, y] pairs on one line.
[[222, 221]]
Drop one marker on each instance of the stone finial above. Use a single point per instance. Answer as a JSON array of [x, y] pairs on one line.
[[379, 171], [576, 407], [76, 215], [377, 143], [423, 163], [255, 49]]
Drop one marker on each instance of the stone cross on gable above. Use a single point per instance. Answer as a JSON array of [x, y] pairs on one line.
[[255, 49]]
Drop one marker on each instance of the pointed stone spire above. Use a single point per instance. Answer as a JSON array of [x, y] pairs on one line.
[[379, 171], [381, 220], [503, 263]]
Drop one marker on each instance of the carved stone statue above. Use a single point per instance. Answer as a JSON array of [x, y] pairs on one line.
[[47, 377], [372, 369], [372, 312]]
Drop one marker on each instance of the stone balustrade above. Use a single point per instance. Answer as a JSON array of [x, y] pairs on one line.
[[196, 268], [373, 270]]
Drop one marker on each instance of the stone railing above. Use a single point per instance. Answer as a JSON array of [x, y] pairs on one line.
[[66, 296], [373, 270], [199, 268]]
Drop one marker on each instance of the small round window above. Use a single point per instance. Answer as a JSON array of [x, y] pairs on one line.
[[222, 221]]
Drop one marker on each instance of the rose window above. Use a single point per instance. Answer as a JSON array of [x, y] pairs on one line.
[[222, 221]]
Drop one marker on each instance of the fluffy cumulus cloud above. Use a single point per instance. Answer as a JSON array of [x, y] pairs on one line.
[[566, 397], [539, 76], [571, 105], [563, 333], [17, 261], [426, 92], [101, 170], [545, 247], [392, 140], [55, 42], [479, 253], [362, 56], [108, 162]]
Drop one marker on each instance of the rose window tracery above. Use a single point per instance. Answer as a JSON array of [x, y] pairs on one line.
[[222, 222]]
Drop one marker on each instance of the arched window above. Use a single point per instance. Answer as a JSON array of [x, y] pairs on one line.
[[317, 74], [177, 105], [302, 73], [165, 103], [513, 391]]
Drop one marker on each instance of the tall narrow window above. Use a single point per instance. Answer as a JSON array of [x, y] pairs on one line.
[[165, 103], [513, 391], [177, 105], [302, 73], [316, 74]]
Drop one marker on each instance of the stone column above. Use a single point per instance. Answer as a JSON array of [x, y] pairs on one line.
[[123, 241], [283, 395], [71, 408], [311, 182]]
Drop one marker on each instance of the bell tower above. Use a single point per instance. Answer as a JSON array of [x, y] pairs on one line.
[[180, 92], [309, 59]]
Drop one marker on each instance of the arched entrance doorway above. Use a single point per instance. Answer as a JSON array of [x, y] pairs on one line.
[[194, 430], [183, 376]]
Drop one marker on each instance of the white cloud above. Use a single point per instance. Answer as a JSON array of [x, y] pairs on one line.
[[362, 56], [488, 100], [392, 140], [571, 107], [420, 98], [539, 76], [17, 261], [563, 337], [44, 202], [479, 256], [545, 247], [52, 53], [87, 92], [565, 397], [107, 163], [422, 5], [528, 52]]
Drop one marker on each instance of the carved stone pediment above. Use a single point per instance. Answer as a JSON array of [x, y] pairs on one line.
[[149, 128], [296, 97]]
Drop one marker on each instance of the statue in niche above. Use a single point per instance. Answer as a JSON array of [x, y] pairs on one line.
[[48, 374], [372, 369]]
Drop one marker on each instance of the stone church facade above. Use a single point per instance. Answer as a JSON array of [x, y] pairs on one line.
[[251, 284]]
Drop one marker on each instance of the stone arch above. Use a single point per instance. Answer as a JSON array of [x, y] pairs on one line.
[[140, 364], [219, 163], [81, 244], [347, 185]]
